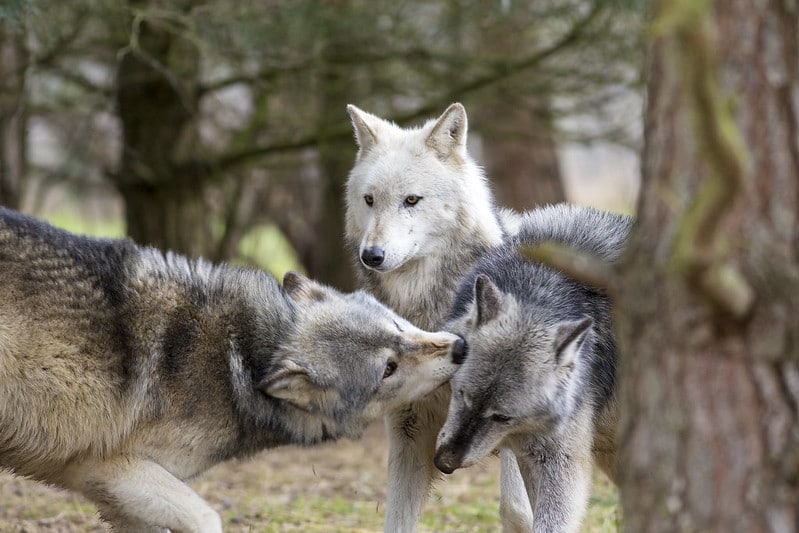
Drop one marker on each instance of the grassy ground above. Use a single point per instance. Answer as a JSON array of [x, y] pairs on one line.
[[331, 488]]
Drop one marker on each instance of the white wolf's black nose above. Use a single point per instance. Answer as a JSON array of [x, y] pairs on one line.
[[373, 256], [459, 351]]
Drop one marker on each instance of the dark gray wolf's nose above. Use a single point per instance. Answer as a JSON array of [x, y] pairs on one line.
[[445, 461], [373, 256], [459, 351]]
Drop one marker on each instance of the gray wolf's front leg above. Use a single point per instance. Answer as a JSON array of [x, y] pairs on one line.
[[558, 481], [412, 434], [134, 494], [514, 507]]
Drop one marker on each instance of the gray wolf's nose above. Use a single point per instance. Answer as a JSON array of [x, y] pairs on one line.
[[459, 351], [373, 256], [445, 461]]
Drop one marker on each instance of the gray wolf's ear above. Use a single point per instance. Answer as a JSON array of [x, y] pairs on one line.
[[291, 383], [487, 300], [449, 132], [365, 126], [569, 337], [302, 289]]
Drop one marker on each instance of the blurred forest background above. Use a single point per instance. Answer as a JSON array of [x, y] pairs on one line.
[[218, 128]]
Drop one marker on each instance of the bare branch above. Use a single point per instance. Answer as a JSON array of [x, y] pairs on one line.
[[499, 73]]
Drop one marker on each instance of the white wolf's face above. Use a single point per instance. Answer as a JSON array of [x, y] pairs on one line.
[[351, 359], [513, 380], [399, 203], [407, 190]]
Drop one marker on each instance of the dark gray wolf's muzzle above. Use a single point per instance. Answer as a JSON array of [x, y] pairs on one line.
[[447, 460]]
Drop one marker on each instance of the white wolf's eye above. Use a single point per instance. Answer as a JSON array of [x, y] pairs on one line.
[[412, 199], [500, 418], [369, 199], [390, 368]]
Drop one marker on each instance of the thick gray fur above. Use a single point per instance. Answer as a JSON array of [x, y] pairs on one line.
[[124, 371], [540, 372]]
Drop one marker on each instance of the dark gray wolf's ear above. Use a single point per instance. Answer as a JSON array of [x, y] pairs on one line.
[[302, 289], [291, 383], [487, 300], [569, 337], [449, 132], [365, 126]]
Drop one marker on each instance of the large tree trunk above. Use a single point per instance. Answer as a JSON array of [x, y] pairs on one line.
[[161, 175], [709, 380], [13, 117]]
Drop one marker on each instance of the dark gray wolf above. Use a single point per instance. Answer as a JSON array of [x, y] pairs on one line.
[[539, 374], [419, 214], [124, 371]]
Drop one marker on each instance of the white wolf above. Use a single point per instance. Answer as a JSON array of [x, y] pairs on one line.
[[419, 214]]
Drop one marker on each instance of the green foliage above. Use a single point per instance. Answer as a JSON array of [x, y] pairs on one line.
[[13, 12]]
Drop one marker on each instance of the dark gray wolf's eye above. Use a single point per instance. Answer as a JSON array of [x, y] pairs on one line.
[[369, 199], [390, 368], [412, 200], [500, 418]]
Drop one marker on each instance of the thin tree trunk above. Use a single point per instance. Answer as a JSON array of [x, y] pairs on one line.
[[709, 381]]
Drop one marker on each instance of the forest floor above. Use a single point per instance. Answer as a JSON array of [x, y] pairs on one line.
[[339, 487]]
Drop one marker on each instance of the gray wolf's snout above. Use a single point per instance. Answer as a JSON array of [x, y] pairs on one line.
[[446, 461], [459, 350], [373, 257]]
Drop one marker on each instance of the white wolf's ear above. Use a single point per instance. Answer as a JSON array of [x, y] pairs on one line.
[[569, 337], [487, 300], [302, 289], [449, 132], [291, 383], [365, 126]]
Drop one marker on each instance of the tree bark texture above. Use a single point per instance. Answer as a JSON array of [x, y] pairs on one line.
[[13, 117], [710, 403], [519, 150], [162, 176]]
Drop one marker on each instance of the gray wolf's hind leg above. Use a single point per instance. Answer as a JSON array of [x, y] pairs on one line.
[[514, 507], [134, 494]]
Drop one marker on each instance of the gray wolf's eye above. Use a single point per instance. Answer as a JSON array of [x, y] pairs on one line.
[[369, 199], [412, 200], [500, 418], [390, 368]]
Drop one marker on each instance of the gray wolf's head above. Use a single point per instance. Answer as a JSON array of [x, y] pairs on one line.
[[350, 359], [411, 192], [516, 379]]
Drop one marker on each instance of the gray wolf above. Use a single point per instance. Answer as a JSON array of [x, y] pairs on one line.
[[539, 374], [419, 212], [125, 371]]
